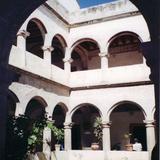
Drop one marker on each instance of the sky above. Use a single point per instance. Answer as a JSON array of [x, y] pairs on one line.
[[88, 3]]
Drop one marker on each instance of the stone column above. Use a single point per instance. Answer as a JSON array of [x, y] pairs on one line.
[[47, 142], [150, 131], [106, 136], [47, 51], [104, 60], [67, 136], [67, 64], [21, 39]]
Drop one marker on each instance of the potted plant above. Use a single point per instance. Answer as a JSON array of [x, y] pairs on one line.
[[128, 146], [97, 125]]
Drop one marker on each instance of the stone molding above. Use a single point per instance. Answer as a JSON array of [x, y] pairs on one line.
[[68, 125], [70, 60], [23, 33], [106, 124], [149, 123], [47, 48]]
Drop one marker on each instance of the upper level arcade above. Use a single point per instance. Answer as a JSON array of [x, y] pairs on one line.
[[103, 49]]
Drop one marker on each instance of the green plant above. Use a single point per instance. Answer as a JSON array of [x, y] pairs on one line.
[[57, 132], [36, 135], [97, 125], [26, 134]]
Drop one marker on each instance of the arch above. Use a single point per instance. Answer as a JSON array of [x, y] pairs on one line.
[[81, 105], [83, 120], [33, 94], [124, 102], [12, 100], [131, 115], [41, 100], [13, 95], [124, 49], [40, 24], [61, 39], [58, 116], [123, 34], [35, 40], [85, 55], [58, 53], [35, 103], [84, 40]]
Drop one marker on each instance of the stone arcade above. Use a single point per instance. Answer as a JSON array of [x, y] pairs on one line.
[[77, 64]]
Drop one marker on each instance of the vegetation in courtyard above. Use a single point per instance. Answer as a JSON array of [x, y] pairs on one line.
[[98, 128], [25, 136]]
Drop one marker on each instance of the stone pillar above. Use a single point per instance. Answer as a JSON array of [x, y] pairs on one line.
[[106, 136], [104, 60], [47, 142], [47, 51], [21, 39], [150, 131], [67, 136], [67, 64]]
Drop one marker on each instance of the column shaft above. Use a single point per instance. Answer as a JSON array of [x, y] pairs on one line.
[[67, 65], [47, 51], [150, 135], [67, 137], [104, 60], [106, 136]]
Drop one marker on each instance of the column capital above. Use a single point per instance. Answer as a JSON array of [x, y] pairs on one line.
[[47, 48], [103, 54], [68, 125], [106, 124], [23, 33], [70, 60], [149, 123]]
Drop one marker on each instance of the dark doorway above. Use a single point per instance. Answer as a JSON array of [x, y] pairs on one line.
[[76, 137]]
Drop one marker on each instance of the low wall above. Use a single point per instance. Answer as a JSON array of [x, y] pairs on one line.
[[99, 155]]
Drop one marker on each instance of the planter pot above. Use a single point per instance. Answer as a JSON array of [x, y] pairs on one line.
[[95, 146], [129, 147], [57, 147]]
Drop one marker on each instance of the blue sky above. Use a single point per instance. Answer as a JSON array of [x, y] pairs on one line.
[[88, 3]]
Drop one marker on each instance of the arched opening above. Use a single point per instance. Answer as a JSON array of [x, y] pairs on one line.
[[35, 112], [124, 49], [35, 41], [82, 130], [58, 52], [85, 56], [127, 124], [58, 117], [11, 103]]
